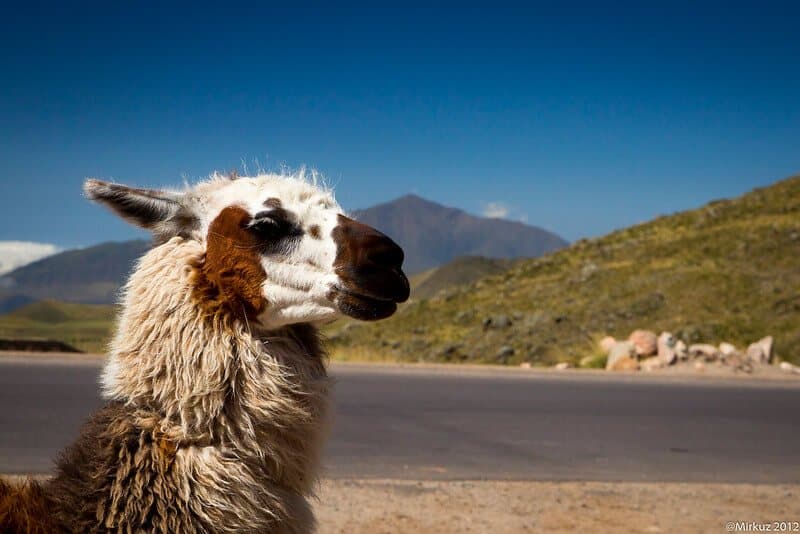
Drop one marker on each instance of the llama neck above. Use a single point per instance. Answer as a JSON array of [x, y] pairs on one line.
[[211, 379]]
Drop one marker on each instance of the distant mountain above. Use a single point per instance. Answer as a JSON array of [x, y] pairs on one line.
[[87, 275], [15, 254], [432, 234]]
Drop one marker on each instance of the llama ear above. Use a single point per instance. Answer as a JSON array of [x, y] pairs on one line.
[[161, 212]]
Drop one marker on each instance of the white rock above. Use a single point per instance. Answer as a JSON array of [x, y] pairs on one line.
[[525, 365], [626, 363], [668, 339], [726, 349], [644, 341], [666, 348], [704, 350], [735, 359], [560, 366], [681, 350], [621, 350], [651, 364], [607, 343], [761, 350], [789, 368]]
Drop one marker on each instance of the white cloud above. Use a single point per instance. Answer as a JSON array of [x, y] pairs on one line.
[[499, 210], [496, 210], [15, 254]]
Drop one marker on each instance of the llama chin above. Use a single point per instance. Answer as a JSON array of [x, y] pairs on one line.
[[215, 384]]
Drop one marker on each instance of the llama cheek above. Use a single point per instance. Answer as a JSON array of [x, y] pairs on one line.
[[231, 276]]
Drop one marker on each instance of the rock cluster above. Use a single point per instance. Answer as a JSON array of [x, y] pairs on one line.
[[646, 351]]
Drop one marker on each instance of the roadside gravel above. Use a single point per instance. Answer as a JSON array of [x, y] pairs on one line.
[[399, 506]]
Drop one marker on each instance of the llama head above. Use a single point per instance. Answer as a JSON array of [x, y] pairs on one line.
[[277, 250]]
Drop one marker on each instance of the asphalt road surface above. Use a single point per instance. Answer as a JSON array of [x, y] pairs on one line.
[[431, 424]]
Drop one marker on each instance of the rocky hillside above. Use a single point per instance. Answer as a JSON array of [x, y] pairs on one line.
[[729, 271], [463, 270], [432, 234]]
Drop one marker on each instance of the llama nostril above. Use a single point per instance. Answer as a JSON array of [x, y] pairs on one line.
[[387, 254], [369, 263]]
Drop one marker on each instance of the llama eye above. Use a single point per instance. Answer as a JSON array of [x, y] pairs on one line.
[[265, 227], [270, 226]]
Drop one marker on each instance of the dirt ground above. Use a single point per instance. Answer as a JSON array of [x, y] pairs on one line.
[[399, 506], [385, 506]]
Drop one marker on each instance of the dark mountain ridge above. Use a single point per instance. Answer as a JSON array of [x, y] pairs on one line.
[[432, 234], [90, 275]]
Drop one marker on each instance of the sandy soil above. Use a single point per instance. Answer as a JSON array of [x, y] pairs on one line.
[[385, 506], [395, 506]]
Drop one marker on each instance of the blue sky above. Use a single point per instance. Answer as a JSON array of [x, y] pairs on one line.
[[579, 118]]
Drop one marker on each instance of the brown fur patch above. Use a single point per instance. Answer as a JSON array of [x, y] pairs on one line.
[[273, 203], [24, 509], [230, 277], [315, 232], [167, 447], [118, 477]]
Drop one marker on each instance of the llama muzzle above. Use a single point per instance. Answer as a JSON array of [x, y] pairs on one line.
[[369, 266]]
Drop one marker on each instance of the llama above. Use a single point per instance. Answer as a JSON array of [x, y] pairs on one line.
[[215, 380]]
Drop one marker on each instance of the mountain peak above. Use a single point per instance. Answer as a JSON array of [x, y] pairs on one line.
[[410, 201], [410, 197], [432, 234]]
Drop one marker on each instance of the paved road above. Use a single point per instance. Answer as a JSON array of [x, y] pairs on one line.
[[433, 424]]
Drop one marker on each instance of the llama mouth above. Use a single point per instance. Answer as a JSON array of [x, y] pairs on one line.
[[360, 306]]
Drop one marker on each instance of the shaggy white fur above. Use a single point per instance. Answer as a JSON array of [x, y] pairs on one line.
[[245, 408]]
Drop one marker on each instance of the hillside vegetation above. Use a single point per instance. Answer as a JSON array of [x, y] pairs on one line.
[[463, 270], [729, 271], [84, 326]]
